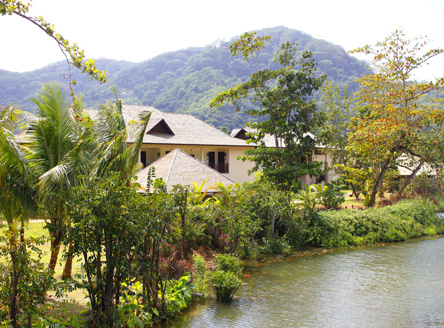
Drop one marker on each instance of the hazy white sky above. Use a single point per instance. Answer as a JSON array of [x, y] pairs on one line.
[[137, 30]]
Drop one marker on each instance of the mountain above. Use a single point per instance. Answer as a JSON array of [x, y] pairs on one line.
[[184, 81]]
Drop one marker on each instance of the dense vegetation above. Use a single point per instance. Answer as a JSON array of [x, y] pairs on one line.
[[77, 174], [184, 81]]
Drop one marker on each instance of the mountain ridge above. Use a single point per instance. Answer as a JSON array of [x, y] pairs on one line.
[[185, 80]]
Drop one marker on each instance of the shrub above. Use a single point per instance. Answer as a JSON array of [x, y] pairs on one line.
[[177, 295], [225, 285], [332, 197], [228, 263], [131, 312], [24, 279], [275, 245], [201, 280], [406, 219]]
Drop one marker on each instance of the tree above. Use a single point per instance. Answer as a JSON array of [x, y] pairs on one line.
[[17, 201], [105, 235], [55, 151], [391, 119], [73, 54], [337, 106], [113, 135], [288, 115]]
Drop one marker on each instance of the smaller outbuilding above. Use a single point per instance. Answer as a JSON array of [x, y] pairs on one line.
[[179, 168]]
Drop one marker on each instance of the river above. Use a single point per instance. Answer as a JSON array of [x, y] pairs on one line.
[[396, 285]]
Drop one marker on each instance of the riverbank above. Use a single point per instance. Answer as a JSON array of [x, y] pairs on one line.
[[399, 284], [328, 230]]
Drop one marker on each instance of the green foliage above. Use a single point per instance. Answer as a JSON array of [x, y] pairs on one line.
[[360, 178], [309, 197], [406, 219], [72, 51], [228, 263], [184, 81], [227, 223], [101, 226], [391, 119], [248, 44], [131, 312], [225, 284], [199, 264], [201, 280], [24, 280], [288, 113], [272, 244], [332, 197], [177, 295]]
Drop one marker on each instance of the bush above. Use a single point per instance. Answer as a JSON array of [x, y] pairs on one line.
[[225, 285], [23, 278], [177, 295], [228, 263], [275, 245], [201, 280], [199, 264], [406, 219], [332, 197]]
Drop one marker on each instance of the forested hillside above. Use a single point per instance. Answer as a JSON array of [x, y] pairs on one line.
[[183, 81]]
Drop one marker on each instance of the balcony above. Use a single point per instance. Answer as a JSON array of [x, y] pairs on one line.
[[221, 168]]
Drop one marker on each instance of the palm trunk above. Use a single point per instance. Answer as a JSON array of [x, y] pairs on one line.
[[56, 238], [67, 270], [15, 276]]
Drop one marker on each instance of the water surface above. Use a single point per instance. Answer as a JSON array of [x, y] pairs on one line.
[[397, 285]]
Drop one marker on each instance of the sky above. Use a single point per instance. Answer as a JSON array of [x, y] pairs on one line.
[[138, 30]]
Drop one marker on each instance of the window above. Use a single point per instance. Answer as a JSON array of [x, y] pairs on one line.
[[143, 158]]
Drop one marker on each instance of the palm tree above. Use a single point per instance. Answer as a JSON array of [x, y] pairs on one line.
[[63, 148], [57, 158], [113, 153], [17, 196]]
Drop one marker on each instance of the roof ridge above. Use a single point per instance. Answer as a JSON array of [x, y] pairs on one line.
[[171, 166]]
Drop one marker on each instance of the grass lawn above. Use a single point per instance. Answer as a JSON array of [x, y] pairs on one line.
[[350, 199], [75, 301]]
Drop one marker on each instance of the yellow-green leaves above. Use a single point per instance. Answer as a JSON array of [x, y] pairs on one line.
[[392, 117], [248, 44]]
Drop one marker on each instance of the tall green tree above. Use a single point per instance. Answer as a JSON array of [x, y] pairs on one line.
[[17, 200], [56, 157], [288, 115], [391, 118], [338, 108], [118, 142]]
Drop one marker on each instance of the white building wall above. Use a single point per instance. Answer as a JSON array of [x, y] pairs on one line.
[[238, 170]]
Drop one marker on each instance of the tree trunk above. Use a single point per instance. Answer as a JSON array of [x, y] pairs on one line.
[[14, 273], [355, 193], [56, 239], [378, 184], [410, 178], [183, 215], [67, 270]]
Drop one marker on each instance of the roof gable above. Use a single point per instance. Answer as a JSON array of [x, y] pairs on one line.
[[179, 129], [179, 168], [161, 127]]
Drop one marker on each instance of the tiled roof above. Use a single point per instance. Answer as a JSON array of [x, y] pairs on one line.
[[179, 168], [268, 138], [187, 129]]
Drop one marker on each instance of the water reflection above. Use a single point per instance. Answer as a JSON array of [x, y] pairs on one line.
[[399, 285]]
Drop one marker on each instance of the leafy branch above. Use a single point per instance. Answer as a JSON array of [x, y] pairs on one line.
[[73, 54]]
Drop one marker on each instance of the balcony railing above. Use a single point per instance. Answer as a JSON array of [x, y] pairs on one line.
[[221, 168]]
